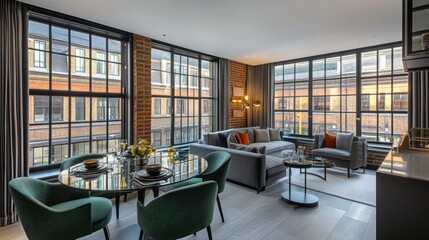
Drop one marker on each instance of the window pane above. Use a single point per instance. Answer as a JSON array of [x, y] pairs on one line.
[[60, 133], [38, 66], [385, 62], [60, 72], [369, 126], [80, 72], [301, 123], [400, 84], [348, 64], [278, 73], [369, 85], [333, 67], [398, 66], [60, 40], [289, 72], [369, 63], [400, 125], [288, 89], [348, 86], [114, 78], [400, 102], [385, 127], [319, 69], [301, 71], [318, 88], [115, 51], [278, 119], [333, 122], [318, 123]]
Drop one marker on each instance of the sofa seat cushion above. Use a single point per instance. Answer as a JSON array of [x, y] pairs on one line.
[[332, 153], [101, 209], [274, 165], [274, 146]]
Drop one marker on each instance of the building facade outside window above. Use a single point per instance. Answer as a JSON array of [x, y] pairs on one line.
[[362, 91], [71, 106], [187, 105]]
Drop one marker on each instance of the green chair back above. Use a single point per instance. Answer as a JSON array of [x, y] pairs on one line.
[[32, 198], [80, 158], [217, 169], [180, 212]]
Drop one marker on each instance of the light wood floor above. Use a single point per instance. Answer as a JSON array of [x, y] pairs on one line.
[[257, 216]]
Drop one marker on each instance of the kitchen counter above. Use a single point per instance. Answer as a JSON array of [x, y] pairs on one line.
[[402, 195], [406, 163]]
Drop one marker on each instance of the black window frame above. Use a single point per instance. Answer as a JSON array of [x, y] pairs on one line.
[[361, 106], [55, 19]]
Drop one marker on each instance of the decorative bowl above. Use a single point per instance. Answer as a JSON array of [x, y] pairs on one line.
[[153, 169], [90, 163]]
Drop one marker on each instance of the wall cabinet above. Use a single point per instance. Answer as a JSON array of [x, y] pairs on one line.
[[415, 34]]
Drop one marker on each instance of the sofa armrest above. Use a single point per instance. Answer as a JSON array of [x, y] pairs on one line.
[[247, 168], [319, 141], [359, 153]]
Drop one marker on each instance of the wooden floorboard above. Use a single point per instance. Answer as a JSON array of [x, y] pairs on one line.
[[254, 216]]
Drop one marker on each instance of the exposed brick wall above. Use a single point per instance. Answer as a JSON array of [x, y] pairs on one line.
[[238, 78], [142, 87], [374, 159]]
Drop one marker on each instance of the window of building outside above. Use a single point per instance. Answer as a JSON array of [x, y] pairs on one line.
[[335, 88], [76, 105], [80, 60], [39, 54], [157, 106], [157, 138], [189, 100]]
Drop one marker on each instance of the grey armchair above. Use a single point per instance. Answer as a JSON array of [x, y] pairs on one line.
[[350, 158]]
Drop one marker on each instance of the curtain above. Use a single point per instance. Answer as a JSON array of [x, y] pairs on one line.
[[224, 92], [250, 95], [419, 109], [13, 96], [260, 84]]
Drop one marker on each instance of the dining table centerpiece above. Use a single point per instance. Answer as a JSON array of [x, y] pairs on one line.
[[141, 151]]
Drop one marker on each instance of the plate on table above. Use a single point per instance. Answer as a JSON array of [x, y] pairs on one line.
[[82, 170], [163, 174]]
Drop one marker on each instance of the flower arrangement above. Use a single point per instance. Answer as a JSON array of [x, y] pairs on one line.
[[171, 152], [142, 148]]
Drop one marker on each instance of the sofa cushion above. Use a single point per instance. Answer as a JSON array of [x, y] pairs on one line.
[[330, 140], [238, 137], [213, 139], [231, 137], [244, 136], [272, 147], [251, 134], [223, 139], [274, 165], [332, 153], [261, 135], [344, 141], [274, 134]]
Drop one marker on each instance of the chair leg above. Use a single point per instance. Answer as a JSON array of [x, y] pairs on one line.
[[209, 232], [117, 199], [348, 172], [220, 208], [106, 233], [125, 197], [363, 169], [141, 235]]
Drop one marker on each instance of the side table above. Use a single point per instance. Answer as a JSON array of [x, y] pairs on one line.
[[302, 199]]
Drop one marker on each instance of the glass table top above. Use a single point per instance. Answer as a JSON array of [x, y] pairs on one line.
[[121, 175]]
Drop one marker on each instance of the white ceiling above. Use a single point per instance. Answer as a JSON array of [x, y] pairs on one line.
[[248, 31]]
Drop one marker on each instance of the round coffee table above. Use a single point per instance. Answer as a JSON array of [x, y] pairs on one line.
[[302, 199]]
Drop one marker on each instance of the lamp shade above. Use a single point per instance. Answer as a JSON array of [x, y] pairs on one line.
[[256, 103]]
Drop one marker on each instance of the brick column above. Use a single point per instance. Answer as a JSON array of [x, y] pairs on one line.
[[142, 87], [238, 78]]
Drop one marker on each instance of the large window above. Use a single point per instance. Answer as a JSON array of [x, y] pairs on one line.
[[372, 102], [75, 106], [182, 109]]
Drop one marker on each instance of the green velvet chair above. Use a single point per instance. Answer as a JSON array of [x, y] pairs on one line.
[[217, 170], [54, 211], [178, 213], [66, 164]]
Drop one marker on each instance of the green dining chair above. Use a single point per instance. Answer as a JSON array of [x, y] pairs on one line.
[[178, 213], [66, 164], [54, 211], [217, 170]]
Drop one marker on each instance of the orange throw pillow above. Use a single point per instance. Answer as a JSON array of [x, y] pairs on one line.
[[244, 136], [238, 138], [330, 140]]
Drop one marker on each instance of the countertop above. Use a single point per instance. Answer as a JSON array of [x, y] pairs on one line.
[[406, 163]]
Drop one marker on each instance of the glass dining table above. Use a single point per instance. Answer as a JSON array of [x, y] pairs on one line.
[[121, 174]]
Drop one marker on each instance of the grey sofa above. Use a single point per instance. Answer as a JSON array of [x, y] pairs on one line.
[[353, 157], [248, 168]]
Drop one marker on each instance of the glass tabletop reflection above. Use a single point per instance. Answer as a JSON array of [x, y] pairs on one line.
[[120, 177]]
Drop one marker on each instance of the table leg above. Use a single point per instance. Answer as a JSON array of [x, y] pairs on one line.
[[305, 181], [290, 190], [155, 192], [141, 195]]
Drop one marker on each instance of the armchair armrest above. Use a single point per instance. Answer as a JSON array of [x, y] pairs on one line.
[[359, 152], [58, 193], [319, 141]]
